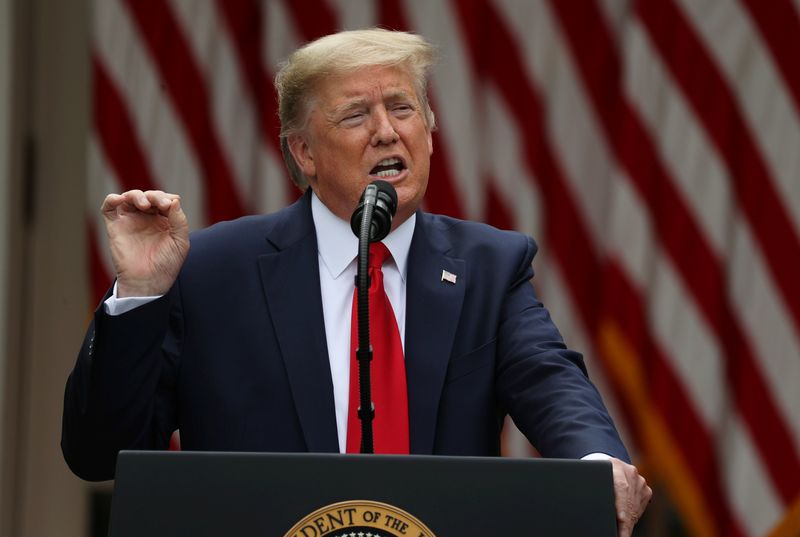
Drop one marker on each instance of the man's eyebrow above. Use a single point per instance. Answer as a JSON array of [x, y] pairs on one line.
[[348, 107], [394, 95]]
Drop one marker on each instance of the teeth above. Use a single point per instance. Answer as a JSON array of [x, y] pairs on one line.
[[388, 167]]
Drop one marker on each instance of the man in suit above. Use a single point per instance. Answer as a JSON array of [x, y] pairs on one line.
[[243, 342]]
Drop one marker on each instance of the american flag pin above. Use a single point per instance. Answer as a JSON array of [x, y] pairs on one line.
[[448, 277]]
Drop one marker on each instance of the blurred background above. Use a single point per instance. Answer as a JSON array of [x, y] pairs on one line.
[[652, 148]]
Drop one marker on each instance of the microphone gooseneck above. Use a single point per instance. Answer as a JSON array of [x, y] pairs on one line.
[[371, 222]]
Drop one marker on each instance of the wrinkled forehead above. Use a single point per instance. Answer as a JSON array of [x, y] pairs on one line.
[[370, 83]]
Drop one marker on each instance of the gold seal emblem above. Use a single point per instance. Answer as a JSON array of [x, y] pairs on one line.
[[359, 518]]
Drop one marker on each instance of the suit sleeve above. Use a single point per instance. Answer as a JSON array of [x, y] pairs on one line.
[[121, 392], [543, 385]]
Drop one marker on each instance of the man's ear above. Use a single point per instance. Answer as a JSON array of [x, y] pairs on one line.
[[302, 154]]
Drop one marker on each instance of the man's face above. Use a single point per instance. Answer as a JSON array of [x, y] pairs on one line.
[[365, 125]]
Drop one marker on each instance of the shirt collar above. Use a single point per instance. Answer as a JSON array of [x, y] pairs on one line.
[[338, 246]]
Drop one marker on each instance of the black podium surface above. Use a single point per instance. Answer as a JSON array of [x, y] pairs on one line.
[[202, 494]]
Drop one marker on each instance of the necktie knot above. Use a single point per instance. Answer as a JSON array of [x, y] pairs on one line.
[[378, 253]]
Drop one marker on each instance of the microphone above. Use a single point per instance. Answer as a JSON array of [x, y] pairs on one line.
[[382, 197]]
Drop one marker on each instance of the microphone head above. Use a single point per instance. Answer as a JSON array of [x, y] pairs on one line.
[[389, 194], [383, 197]]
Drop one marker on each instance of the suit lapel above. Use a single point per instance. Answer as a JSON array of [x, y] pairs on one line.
[[433, 307], [290, 279]]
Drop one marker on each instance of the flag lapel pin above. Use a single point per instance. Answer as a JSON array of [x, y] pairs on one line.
[[448, 277]]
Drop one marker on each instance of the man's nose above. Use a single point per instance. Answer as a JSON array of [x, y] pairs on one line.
[[384, 131]]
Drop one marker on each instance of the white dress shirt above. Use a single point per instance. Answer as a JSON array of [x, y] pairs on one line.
[[337, 247]]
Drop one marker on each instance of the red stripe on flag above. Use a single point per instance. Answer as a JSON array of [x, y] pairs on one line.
[[779, 24], [117, 135], [715, 105], [170, 51], [392, 16], [314, 18], [442, 195], [496, 212]]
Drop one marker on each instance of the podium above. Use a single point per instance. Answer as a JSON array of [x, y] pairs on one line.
[[202, 494]]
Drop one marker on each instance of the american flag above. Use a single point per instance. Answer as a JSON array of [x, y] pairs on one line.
[[652, 147]]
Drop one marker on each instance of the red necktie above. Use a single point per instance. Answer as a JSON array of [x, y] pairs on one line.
[[388, 369]]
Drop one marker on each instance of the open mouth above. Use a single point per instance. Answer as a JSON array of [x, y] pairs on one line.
[[388, 167]]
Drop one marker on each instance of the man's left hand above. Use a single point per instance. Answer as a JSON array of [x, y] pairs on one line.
[[632, 496]]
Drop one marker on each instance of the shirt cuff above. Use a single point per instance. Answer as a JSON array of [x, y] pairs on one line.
[[596, 457], [117, 306]]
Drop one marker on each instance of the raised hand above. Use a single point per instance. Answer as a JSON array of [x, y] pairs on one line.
[[149, 239]]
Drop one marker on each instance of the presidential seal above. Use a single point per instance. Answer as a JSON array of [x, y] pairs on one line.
[[359, 518]]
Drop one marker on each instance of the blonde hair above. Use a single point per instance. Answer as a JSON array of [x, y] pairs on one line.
[[341, 53]]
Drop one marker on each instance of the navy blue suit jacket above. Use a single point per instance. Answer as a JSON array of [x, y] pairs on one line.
[[235, 354]]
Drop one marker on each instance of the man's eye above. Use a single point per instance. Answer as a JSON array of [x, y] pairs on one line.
[[352, 118]]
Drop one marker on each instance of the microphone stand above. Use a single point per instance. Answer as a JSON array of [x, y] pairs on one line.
[[366, 408]]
